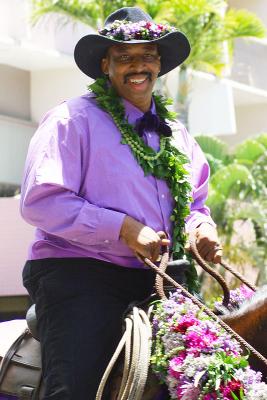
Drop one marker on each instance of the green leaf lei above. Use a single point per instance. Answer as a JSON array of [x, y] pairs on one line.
[[168, 164]]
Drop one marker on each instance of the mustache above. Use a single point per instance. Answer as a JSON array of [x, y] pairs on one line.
[[146, 73]]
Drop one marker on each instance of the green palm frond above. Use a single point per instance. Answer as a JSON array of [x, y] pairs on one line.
[[212, 145], [205, 38], [109, 6], [89, 12], [202, 24], [157, 9], [217, 203], [262, 138], [77, 10], [208, 56], [215, 151], [250, 211], [184, 12], [213, 65], [214, 163], [250, 150], [231, 180], [259, 173], [242, 23]]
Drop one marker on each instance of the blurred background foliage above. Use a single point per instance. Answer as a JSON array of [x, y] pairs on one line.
[[238, 201]]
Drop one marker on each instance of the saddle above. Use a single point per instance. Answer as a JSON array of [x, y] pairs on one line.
[[20, 368]]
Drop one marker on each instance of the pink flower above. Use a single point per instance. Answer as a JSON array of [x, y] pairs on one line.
[[184, 323], [210, 396], [231, 387], [187, 391], [175, 363], [246, 292], [197, 341]]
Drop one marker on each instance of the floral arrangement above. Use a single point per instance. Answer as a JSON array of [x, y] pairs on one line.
[[197, 358], [143, 30], [237, 297]]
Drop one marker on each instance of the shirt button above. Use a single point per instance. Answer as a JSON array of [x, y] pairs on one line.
[[149, 135], [106, 241], [163, 196]]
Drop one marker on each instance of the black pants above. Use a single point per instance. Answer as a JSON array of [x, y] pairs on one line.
[[79, 306]]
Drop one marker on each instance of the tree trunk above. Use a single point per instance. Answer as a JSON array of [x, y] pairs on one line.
[[183, 95]]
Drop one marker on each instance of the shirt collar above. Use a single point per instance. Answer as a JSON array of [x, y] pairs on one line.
[[133, 113]]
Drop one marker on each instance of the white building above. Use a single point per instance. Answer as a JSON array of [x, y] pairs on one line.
[[37, 71]]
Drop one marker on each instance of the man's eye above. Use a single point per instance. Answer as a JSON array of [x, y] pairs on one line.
[[124, 58], [149, 57]]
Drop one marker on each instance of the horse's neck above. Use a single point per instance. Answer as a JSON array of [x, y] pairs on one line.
[[250, 321]]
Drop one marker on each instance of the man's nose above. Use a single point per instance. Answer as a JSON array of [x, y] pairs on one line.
[[138, 62]]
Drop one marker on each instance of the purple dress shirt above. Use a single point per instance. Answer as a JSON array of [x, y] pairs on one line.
[[80, 182]]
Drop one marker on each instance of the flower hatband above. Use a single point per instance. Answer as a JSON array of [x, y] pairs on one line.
[[143, 30]]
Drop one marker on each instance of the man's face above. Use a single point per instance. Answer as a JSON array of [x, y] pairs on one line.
[[133, 70]]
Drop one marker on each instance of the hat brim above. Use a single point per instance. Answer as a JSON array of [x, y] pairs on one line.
[[174, 48]]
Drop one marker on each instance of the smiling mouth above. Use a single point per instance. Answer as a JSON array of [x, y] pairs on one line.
[[137, 81], [133, 78]]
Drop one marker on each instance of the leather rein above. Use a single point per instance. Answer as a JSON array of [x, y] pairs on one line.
[[161, 276]]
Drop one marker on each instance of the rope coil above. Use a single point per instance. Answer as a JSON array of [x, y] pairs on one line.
[[137, 341]]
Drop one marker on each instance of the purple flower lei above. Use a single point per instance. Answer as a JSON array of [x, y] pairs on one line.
[[143, 30], [196, 358]]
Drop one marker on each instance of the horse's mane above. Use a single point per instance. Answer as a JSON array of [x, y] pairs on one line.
[[251, 318], [257, 301]]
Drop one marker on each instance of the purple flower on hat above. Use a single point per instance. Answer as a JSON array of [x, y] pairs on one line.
[[143, 30]]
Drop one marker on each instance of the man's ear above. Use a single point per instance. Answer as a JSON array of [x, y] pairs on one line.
[[104, 65]]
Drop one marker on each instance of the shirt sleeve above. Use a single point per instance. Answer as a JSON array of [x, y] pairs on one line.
[[51, 198], [200, 172]]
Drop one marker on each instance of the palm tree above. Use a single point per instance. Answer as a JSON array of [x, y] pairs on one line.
[[211, 28]]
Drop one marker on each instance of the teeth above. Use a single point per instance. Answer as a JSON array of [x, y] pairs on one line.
[[137, 80]]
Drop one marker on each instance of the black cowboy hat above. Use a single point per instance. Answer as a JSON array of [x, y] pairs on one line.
[[173, 47]]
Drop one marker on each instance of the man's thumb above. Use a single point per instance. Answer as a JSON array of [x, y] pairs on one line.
[[163, 237]]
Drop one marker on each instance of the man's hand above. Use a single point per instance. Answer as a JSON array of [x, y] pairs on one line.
[[207, 243], [142, 239]]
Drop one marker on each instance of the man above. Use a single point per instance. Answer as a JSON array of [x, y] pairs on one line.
[[97, 209]]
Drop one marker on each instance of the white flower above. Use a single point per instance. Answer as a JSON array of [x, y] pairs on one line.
[[193, 364], [257, 392], [171, 340]]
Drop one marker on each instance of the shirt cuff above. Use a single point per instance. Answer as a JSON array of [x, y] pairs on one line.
[[196, 220], [110, 226]]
